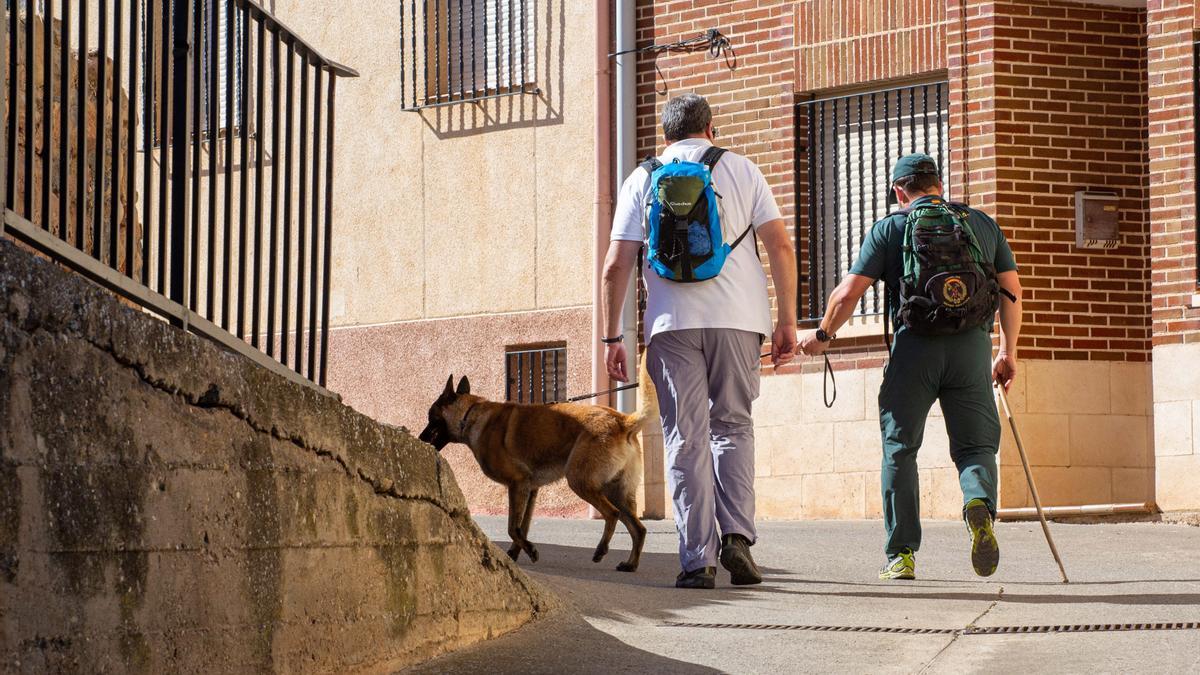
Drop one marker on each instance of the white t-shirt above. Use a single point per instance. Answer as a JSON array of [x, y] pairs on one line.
[[737, 297]]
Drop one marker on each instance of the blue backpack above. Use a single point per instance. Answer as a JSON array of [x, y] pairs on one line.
[[683, 226]]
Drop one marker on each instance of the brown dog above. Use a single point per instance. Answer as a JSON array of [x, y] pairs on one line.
[[525, 447]]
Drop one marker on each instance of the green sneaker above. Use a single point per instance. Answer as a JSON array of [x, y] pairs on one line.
[[985, 552], [901, 566]]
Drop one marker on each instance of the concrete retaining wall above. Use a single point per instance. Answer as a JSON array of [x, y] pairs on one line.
[[166, 506]]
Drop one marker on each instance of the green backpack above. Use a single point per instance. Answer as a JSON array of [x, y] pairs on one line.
[[947, 286]]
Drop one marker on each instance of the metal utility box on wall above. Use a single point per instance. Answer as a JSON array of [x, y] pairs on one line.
[[1097, 220]]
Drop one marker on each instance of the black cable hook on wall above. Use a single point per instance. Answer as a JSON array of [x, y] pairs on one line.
[[712, 40]]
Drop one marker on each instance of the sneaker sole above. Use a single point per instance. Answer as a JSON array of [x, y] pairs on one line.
[[985, 550], [740, 572], [903, 576]]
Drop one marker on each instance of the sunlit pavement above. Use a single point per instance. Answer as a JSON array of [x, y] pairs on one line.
[[821, 577]]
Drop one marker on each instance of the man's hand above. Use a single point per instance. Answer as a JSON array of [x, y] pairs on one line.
[[783, 344], [811, 346], [614, 360], [1004, 370]]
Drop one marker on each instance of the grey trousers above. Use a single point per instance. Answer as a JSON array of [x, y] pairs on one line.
[[706, 380]]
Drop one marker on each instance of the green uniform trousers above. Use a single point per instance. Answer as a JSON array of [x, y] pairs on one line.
[[956, 370]]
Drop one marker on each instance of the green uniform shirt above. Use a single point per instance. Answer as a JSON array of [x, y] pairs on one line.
[[881, 257]]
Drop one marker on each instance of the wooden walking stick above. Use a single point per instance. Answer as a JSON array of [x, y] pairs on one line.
[[1032, 488]]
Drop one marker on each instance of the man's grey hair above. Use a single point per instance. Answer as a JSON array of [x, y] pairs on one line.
[[685, 115]]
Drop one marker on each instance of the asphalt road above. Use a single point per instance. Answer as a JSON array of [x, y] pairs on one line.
[[821, 599]]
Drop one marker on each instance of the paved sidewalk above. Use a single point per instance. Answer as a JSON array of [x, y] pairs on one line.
[[823, 573]]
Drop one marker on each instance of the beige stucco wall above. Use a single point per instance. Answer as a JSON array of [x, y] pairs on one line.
[[1087, 428], [1177, 427], [467, 209]]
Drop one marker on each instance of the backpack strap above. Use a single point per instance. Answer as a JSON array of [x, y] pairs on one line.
[[711, 156], [651, 164]]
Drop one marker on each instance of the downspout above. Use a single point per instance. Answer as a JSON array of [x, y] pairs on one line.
[[626, 151], [603, 205]]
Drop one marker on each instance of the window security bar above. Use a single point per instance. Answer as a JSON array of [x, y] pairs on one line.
[[461, 51], [848, 145]]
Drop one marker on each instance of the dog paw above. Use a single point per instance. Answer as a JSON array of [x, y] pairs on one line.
[[514, 553], [601, 551], [626, 567], [533, 553]]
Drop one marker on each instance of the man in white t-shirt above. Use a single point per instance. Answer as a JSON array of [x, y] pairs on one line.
[[703, 345]]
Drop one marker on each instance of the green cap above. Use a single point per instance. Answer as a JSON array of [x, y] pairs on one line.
[[911, 165]]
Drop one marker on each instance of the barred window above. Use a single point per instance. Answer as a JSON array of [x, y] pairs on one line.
[[454, 51], [535, 374], [851, 143]]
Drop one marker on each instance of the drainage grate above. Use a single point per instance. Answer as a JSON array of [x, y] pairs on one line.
[[971, 630]]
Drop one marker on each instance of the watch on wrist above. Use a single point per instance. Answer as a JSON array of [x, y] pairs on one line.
[[822, 336], [613, 340]]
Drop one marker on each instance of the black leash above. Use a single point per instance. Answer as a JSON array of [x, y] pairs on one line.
[[584, 397], [825, 383]]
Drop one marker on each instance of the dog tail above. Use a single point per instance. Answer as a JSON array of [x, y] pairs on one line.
[[649, 395]]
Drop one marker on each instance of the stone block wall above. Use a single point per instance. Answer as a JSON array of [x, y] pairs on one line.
[[169, 507]]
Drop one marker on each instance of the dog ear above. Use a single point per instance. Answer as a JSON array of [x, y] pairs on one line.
[[464, 386], [449, 390]]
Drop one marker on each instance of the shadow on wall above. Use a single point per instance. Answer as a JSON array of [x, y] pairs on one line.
[[517, 111]]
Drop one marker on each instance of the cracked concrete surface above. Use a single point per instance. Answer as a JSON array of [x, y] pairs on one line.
[[823, 574], [167, 506]]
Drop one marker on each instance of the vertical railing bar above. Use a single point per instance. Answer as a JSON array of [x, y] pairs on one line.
[[114, 231], [212, 99], [302, 209], [425, 46], [29, 106], [242, 69], [259, 136], [925, 119], [557, 389], [148, 122], [510, 57], [849, 206], [496, 45], [164, 141], [862, 193], [178, 133], [316, 230], [287, 207], [941, 161], [836, 226], [462, 48], [823, 210], [327, 253], [200, 97], [1196, 150], [520, 376], [131, 147], [474, 49], [543, 367], [273, 262], [403, 102], [899, 125], [227, 277], [912, 119], [810, 120], [437, 51], [524, 37], [508, 377], [98, 217], [64, 122], [875, 187], [413, 20], [47, 111], [10, 153]]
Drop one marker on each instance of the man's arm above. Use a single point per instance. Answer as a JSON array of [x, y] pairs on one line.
[[782, 257], [842, 302], [618, 265], [1004, 368]]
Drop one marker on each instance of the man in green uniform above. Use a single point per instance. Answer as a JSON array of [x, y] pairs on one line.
[[957, 370]]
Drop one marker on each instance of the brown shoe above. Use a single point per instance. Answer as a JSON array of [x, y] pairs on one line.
[[735, 557]]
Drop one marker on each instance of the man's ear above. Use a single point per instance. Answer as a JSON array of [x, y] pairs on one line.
[[464, 386], [449, 386]]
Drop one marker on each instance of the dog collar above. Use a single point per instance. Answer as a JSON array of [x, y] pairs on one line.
[[462, 426]]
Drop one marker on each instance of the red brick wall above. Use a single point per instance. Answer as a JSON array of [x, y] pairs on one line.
[[847, 42], [1068, 112], [1173, 170]]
